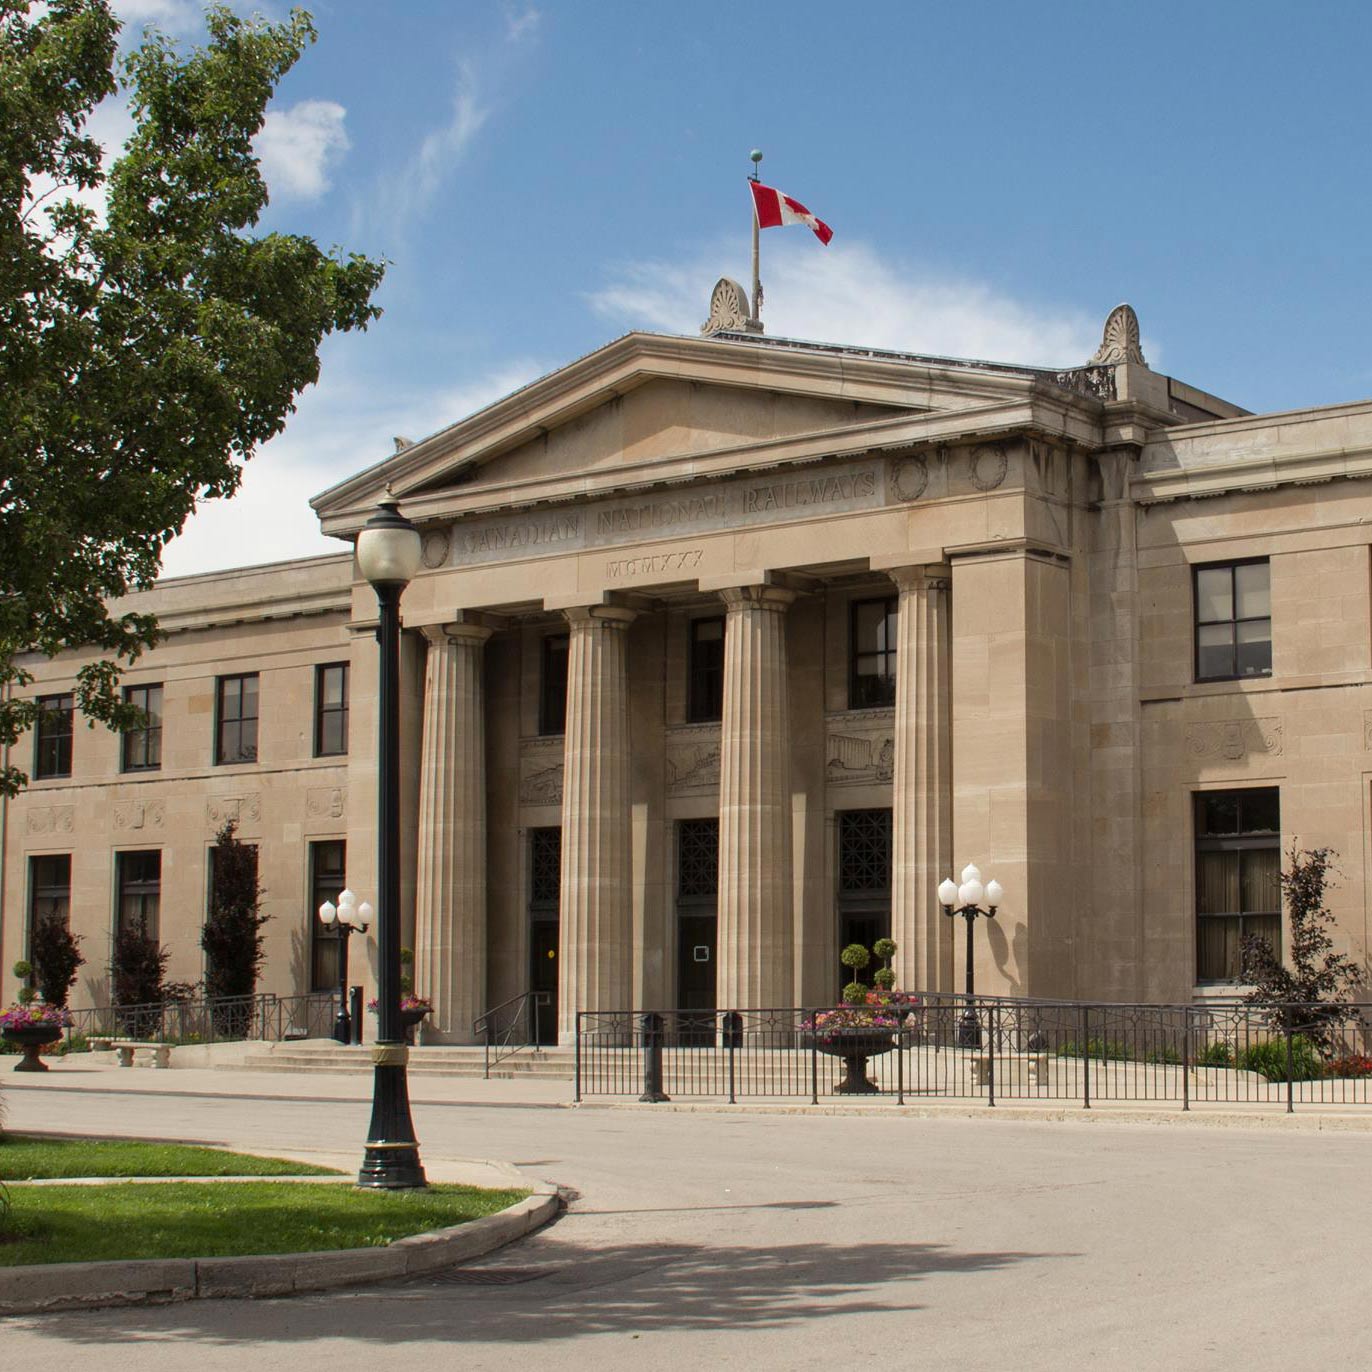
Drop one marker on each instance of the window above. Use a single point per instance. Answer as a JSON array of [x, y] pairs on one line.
[[872, 654], [139, 880], [545, 872], [52, 737], [705, 696], [236, 719], [328, 861], [331, 710], [697, 861], [1238, 870], [49, 889], [552, 698], [143, 747], [864, 882], [1233, 621]]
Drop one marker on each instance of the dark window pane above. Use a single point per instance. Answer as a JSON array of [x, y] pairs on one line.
[[1238, 877], [142, 748], [1260, 810], [1215, 650], [331, 710], [1233, 621], [1254, 648], [864, 851], [1217, 949], [140, 891], [1259, 880], [872, 653], [545, 869], [697, 859], [327, 864], [706, 690], [52, 736], [236, 739], [552, 707], [1219, 812], [1217, 883]]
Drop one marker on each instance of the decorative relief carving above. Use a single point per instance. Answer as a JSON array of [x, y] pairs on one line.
[[326, 802], [988, 467], [909, 478], [435, 549], [139, 814], [730, 310], [1120, 339], [861, 747], [540, 772], [1234, 739], [52, 819], [693, 755], [244, 809]]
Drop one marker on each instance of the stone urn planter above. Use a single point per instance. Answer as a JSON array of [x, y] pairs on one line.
[[855, 1046], [31, 1038], [410, 1020]]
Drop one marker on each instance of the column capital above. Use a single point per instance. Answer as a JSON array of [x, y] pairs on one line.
[[920, 576], [465, 631], [611, 616], [757, 597]]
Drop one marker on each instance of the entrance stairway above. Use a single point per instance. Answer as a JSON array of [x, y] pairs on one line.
[[324, 1055]]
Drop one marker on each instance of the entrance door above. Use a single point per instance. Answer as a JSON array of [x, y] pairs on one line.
[[695, 978], [543, 977], [864, 927]]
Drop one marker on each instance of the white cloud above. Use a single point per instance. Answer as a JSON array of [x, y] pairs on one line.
[[337, 431], [521, 23], [299, 146], [849, 293], [171, 16]]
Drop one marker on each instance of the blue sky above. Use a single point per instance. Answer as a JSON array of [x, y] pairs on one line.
[[544, 177]]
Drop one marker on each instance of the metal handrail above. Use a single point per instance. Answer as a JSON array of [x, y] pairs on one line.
[[486, 1025]]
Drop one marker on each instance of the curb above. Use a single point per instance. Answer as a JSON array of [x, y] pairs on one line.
[[160, 1281]]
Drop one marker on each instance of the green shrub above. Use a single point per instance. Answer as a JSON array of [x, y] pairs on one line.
[[1107, 1050], [1268, 1059], [1217, 1054], [1166, 1055]]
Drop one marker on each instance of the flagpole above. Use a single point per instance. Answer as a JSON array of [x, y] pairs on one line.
[[756, 156]]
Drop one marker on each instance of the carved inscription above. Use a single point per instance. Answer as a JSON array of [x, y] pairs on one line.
[[51, 819], [139, 814], [684, 560], [651, 516], [861, 747], [819, 490], [1234, 739], [540, 772], [326, 802], [693, 759], [516, 536]]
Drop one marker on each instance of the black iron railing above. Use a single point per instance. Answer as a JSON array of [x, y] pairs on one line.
[[991, 1049], [511, 1026], [266, 1017]]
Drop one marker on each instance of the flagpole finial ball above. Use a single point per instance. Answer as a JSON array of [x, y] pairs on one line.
[[756, 155]]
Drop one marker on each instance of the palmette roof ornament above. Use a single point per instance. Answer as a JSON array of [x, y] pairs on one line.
[[729, 310], [1120, 339]]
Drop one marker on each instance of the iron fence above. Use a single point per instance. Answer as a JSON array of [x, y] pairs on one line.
[[990, 1049], [223, 1019]]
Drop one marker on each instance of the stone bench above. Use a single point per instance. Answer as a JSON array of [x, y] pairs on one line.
[[1007, 1065], [101, 1043], [131, 1051]]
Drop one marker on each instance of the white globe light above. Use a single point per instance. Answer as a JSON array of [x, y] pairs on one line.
[[388, 548], [970, 893], [995, 893], [947, 892], [971, 872], [328, 912], [347, 900], [364, 916]]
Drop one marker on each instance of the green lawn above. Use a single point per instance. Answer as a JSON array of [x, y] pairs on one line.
[[49, 1224], [24, 1158]]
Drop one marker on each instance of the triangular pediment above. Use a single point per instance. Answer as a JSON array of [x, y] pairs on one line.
[[649, 409]]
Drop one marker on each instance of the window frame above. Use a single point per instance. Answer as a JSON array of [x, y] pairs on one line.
[[552, 683], [704, 678], [49, 734], [322, 936], [857, 654], [46, 890], [220, 720], [1241, 841], [147, 889], [1235, 619], [323, 710], [151, 736]]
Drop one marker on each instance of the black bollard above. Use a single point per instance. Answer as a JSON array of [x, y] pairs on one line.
[[355, 1009], [651, 1027]]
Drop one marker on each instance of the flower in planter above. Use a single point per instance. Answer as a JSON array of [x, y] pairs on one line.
[[410, 1002], [35, 1015], [878, 1009]]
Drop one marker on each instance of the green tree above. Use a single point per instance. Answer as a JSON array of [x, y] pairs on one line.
[[232, 936], [145, 351], [56, 954]]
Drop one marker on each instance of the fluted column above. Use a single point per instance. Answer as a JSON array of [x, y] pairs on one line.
[[450, 914], [922, 818], [756, 934], [596, 938]]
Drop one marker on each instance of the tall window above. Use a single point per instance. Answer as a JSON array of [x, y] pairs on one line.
[[552, 694], [697, 862], [236, 719], [142, 749], [706, 687], [139, 880], [331, 710], [545, 872], [864, 880], [1238, 869], [49, 889], [52, 737], [872, 653], [1233, 621], [328, 861]]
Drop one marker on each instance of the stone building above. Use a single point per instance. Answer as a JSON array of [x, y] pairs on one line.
[[726, 649]]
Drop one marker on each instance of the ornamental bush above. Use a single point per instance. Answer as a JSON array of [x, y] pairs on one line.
[[56, 957], [1268, 1059]]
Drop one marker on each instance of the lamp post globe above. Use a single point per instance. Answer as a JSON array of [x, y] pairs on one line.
[[388, 556], [965, 900]]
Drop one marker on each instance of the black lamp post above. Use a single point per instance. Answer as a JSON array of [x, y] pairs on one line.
[[965, 900], [388, 550], [350, 918]]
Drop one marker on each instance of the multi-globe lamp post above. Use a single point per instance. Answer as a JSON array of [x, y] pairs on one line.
[[388, 554], [965, 899], [350, 918]]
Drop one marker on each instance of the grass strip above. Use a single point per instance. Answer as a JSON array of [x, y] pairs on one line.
[[54, 1224], [25, 1158]]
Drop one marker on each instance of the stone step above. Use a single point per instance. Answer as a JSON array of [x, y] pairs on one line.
[[500, 1073], [426, 1062]]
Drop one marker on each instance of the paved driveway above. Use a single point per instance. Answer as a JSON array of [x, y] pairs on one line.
[[708, 1241]]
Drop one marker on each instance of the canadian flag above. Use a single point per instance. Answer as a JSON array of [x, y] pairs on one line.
[[775, 208]]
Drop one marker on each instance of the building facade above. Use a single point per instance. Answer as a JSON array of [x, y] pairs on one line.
[[726, 650]]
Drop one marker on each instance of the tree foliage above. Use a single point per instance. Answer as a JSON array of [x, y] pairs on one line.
[[232, 936], [138, 964], [1318, 976], [56, 955], [145, 350]]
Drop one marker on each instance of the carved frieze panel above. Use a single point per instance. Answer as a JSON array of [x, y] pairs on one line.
[[540, 771], [1232, 740], [693, 754], [52, 819], [140, 814], [987, 466], [860, 747], [246, 810], [326, 802]]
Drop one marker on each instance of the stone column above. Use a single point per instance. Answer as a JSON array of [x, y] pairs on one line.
[[450, 914], [596, 937], [756, 937], [922, 794]]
